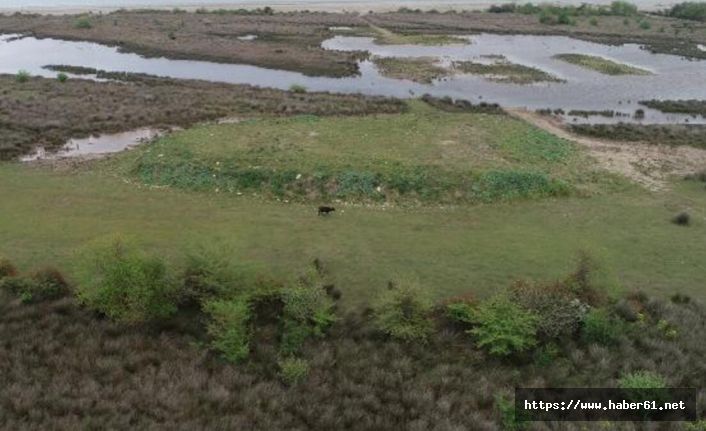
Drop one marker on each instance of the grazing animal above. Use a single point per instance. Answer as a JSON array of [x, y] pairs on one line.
[[324, 210]]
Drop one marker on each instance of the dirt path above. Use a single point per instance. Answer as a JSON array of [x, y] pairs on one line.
[[648, 165]]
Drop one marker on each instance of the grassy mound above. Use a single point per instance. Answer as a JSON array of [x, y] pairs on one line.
[[422, 156]]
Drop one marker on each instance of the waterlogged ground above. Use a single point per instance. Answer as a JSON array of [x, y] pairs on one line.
[[671, 77]]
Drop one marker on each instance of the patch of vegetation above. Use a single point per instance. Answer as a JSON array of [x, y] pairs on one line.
[[695, 11], [682, 219], [7, 268], [502, 327], [602, 65], [296, 88], [417, 69], [694, 107], [119, 280], [600, 327], [403, 311], [386, 37], [447, 104], [83, 23], [657, 134], [229, 327], [416, 157], [505, 71], [62, 77], [22, 76], [293, 370]]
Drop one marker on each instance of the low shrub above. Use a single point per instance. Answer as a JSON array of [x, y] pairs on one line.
[[7, 269], [83, 23], [403, 311], [560, 312], [503, 327], [62, 77], [623, 8], [587, 282], [293, 370], [682, 219], [308, 310], [508, 415], [645, 25], [695, 11], [229, 327], [22, 76], [599, 326], [641, 384], [118, 280], [296, 88]]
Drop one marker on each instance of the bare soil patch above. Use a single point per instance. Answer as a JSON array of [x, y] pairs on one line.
[[647, 164]]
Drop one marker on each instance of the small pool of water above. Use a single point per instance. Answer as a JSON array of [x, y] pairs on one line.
[[95, 145], [672, 77]]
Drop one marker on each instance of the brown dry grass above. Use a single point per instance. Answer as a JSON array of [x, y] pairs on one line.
[[47, 112]]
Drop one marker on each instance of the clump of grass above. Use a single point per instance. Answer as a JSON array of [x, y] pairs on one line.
[[22, 76], [297, 88], [293, 370], [62, 77], [682, 219], [599, 326], [600, 64]]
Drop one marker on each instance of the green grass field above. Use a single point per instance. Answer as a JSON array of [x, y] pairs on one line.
[[47, 215], [424, 155]]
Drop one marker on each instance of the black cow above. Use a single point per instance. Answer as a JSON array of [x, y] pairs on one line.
[[325, 210]]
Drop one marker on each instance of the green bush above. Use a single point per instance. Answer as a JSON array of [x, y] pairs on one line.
[[508, 415], [645, 25], [62, 77], [83, 23], [642, 380], [623, 8], [308, 311], [593, 21], [7, 269], [695, 11], [296, 88], [403, 311], [600, 327], [503, 327], [229, 327], [22, 76], [293, 370], [118, 280]]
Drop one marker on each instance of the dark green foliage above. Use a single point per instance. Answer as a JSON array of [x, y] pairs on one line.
[[229, 327], [508, 415], [308, 310], [672, 134], [293, 370], [691, 106], [296, 88], [599, 326], [641, 384], [403, 311], [695, 11], [62, 77], [120, 281], [503, 327]]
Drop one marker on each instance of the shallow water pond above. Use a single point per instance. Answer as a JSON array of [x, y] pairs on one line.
[[672, 77], [95, 145]]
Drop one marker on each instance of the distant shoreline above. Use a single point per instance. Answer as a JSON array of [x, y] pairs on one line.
[[320, 6]]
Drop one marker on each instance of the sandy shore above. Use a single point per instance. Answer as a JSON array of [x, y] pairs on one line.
[[326, 6]]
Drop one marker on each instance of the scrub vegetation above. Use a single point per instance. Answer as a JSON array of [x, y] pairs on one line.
[[418, 69], [600, 64], [655, 134], [408, 363]]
